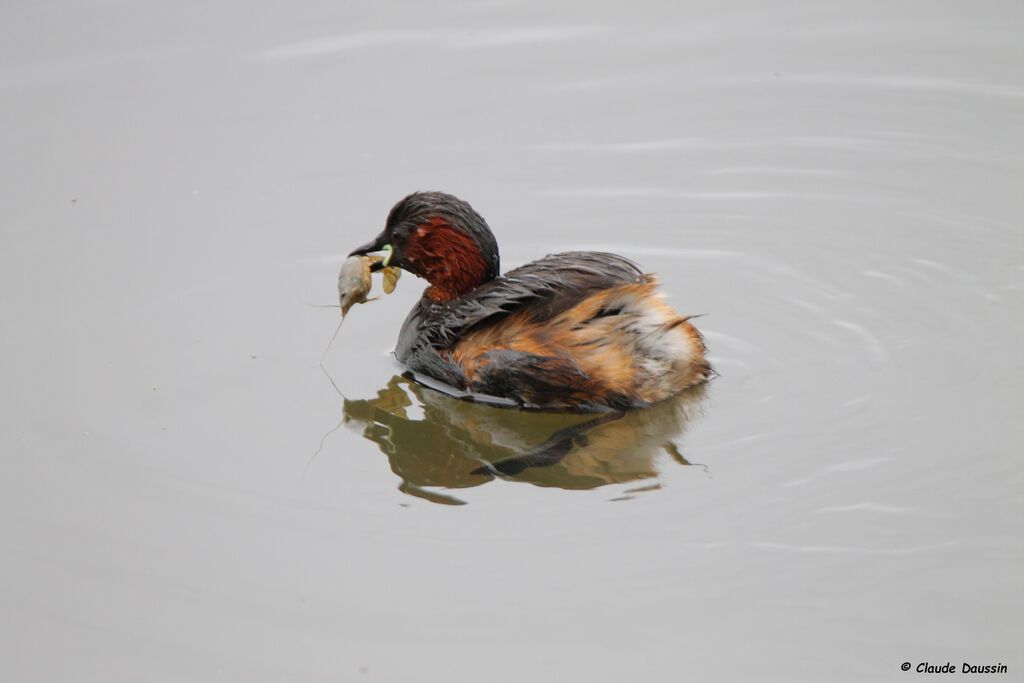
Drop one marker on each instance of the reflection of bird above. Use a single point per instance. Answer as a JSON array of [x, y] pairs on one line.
[[456, 444], [578, 330]]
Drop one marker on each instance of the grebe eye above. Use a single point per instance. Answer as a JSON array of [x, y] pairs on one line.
[[388, 250]]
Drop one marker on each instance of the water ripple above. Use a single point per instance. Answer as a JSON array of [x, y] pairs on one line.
[[871, 343], [907, 83], [883, 509], [450, 39], [714, 195], [838, 549]]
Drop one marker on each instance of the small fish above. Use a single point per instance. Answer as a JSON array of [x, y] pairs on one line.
[[354, 282], [391, 275]]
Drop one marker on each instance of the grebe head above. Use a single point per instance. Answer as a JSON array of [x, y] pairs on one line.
[[440, 238]]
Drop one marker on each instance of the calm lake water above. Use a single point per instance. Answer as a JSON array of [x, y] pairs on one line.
[[185, 497]]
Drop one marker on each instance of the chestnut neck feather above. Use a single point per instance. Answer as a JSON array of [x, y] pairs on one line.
[[447, 258]]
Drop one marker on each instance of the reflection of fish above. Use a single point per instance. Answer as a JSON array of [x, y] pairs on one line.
[[458, 444]]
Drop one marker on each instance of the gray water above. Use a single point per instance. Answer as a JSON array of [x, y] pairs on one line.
[[184, 496]]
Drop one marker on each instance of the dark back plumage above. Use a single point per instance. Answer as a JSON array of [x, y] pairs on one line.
[[541, 289]]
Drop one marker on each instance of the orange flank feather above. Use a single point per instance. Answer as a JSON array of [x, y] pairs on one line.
[[624, 341]]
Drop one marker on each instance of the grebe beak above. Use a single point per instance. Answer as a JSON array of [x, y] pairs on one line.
[[379, 244]]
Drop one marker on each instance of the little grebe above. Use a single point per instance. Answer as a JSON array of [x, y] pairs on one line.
[[580, 330]]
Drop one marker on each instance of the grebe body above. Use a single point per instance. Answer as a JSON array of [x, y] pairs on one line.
[[578, 330]]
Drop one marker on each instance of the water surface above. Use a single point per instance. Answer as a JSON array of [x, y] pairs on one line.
[[185, 496]]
